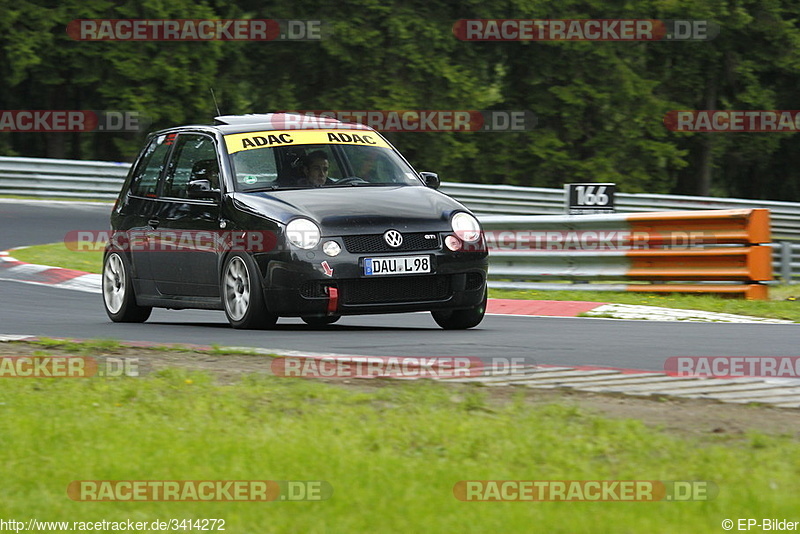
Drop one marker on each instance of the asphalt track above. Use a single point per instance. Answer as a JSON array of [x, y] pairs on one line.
[[55, 312]]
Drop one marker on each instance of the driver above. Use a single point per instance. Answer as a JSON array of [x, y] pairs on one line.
[[206, 169], [315, 169]]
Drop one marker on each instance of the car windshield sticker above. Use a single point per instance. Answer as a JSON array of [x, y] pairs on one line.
[[251, 140], [250, 179]]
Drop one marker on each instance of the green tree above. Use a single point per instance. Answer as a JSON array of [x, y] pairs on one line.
[[43, 68]]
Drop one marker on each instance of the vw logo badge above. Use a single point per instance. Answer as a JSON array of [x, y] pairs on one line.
[[393, 238]]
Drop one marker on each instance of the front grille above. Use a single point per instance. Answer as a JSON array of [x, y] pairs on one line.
[[359, 244], [395, 289]]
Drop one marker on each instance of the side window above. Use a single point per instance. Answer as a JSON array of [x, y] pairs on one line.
[[195, 158], [145, 177]]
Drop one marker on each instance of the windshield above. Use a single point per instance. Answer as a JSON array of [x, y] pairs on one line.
[[315, 158]]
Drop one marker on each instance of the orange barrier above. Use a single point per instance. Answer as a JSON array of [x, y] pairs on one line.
[[698, 246], [748, 264], [747, 226], [741, 264]]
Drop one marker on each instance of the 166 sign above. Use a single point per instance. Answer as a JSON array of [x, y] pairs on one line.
[[589, 198]]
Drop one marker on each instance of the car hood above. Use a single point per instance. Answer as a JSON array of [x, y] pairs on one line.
[[354, 210]]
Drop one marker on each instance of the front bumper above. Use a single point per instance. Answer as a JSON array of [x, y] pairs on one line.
[[301, 284]]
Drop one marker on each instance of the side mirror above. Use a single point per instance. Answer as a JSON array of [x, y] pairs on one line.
[[201, 190], [431, 179]]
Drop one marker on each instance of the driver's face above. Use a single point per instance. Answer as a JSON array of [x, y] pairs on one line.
[[317, 171]]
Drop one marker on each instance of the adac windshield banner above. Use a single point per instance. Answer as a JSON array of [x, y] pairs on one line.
[[251, 140]]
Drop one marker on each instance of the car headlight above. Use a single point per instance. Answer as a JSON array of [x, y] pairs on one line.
[[466, 227], [303, 233]]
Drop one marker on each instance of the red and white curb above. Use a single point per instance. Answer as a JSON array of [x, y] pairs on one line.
[[778, 392], [13, 270], [540, 308], [775, 392], [555, 308], [654, 313]]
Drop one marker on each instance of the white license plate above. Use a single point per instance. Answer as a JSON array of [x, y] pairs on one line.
[[397, 265]]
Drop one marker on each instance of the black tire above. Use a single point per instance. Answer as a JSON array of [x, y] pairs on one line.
[[320, 320], [119, 298], [242, 297], [461, 319]]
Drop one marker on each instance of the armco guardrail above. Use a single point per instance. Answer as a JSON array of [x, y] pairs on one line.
[[787, 262], [61, 178], [515, 200], [102, 179], [58, 178], [722, 251]]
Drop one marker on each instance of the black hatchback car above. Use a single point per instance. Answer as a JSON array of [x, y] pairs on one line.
[[277, 215]]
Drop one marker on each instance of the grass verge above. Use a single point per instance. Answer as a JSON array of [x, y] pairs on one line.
[[392, 455], [59, 255]]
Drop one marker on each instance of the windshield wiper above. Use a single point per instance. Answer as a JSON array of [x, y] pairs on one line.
[[273, 187]]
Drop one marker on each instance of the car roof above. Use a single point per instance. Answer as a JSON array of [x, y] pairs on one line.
[[261, 122]]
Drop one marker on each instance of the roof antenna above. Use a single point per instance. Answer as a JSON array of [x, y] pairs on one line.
[[215, 101]]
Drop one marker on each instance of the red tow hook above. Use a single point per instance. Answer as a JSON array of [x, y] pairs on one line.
[[333, 300]]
